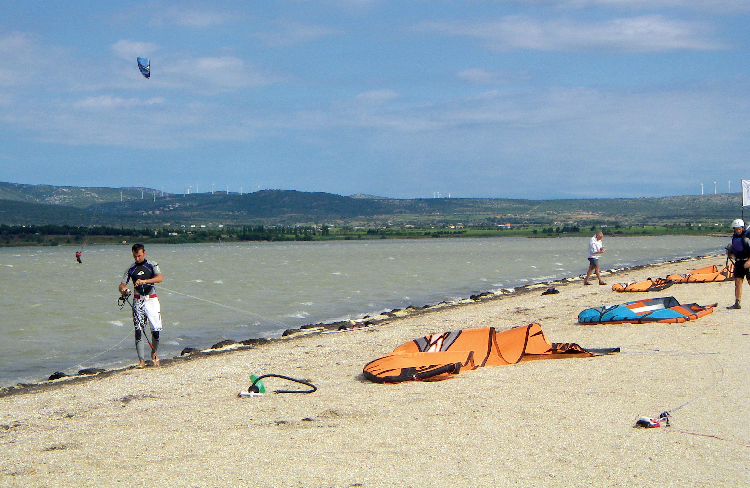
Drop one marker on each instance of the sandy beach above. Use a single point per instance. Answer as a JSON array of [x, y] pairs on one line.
[[567, 422]]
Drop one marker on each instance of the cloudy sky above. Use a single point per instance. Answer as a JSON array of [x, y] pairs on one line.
[[397, 98]]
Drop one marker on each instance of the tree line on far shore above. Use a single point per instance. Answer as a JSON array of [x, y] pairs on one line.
[[56, 235]]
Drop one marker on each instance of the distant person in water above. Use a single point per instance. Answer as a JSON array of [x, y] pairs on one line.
[[78, 256], [146, 307], [596, 249], [739, 250]]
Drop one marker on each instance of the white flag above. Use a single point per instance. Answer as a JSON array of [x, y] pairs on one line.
[[745, 193]]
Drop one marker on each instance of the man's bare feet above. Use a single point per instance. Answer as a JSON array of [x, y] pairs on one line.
[[155, 358], [142, 364]]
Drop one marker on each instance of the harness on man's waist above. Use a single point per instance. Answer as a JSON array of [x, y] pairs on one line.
[[142, 272]]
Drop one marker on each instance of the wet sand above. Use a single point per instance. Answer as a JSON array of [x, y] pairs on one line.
[[565, 422]]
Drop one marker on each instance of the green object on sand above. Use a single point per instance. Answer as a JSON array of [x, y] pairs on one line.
[[256, 385]]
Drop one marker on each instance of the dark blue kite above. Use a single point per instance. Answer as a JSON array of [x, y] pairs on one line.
[[145, 66]]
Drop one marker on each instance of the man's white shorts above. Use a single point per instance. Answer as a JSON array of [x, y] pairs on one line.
[[150, 308]]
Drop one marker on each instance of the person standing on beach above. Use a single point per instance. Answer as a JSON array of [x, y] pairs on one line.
[[144, 276], [596, 248], [739, 249]]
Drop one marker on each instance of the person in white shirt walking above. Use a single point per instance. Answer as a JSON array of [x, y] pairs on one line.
[[596, 249]]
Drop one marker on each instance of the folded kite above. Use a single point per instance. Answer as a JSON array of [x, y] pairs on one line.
[[437, 356], [704, 275], [651, 284], [665, 310]]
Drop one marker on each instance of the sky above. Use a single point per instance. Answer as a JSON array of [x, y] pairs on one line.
[[535, 99]]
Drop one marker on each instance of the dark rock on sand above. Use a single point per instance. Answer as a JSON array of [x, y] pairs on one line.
[[255, 342], [91, 371]]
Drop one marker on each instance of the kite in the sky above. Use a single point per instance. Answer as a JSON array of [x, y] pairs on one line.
[[144, 65]]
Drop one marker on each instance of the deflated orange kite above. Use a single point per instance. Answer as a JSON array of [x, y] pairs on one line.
[[437, 356], [651, 284], [704, 275]]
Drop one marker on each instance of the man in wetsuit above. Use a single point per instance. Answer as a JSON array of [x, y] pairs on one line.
[[144, 276], [739, 249]]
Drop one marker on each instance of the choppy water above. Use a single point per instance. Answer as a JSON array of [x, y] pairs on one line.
[[57, 315]]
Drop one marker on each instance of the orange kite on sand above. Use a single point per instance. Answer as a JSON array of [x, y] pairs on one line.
[[437, 356], [651, 284], [704, 275]]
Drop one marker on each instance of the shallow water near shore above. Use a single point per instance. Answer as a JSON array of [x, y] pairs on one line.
[[58, 315]]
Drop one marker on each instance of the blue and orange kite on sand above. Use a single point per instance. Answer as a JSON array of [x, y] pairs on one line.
[[664, 310]]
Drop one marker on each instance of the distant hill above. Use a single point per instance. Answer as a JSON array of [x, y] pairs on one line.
[[72, 196], [144, 207]]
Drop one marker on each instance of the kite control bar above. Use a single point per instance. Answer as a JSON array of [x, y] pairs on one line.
[[125, 299], [257, 388], [648, 423]]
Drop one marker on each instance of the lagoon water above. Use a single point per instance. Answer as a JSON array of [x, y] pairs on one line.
[[58, 315]]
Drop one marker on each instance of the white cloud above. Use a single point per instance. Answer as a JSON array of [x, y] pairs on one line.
[[209, 74], [194, 18], [290, 33], [200, 19], [545, 140], [109, 102], [131, 49], [377, 97], [479, 76], [25, 62], [652, 33]]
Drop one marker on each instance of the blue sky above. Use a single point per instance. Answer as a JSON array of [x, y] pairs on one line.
[[402, 98]]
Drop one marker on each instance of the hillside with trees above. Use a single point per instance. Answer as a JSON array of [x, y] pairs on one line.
[[258, 213]]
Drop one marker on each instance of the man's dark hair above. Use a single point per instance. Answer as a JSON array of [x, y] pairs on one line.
[[138, 247]]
